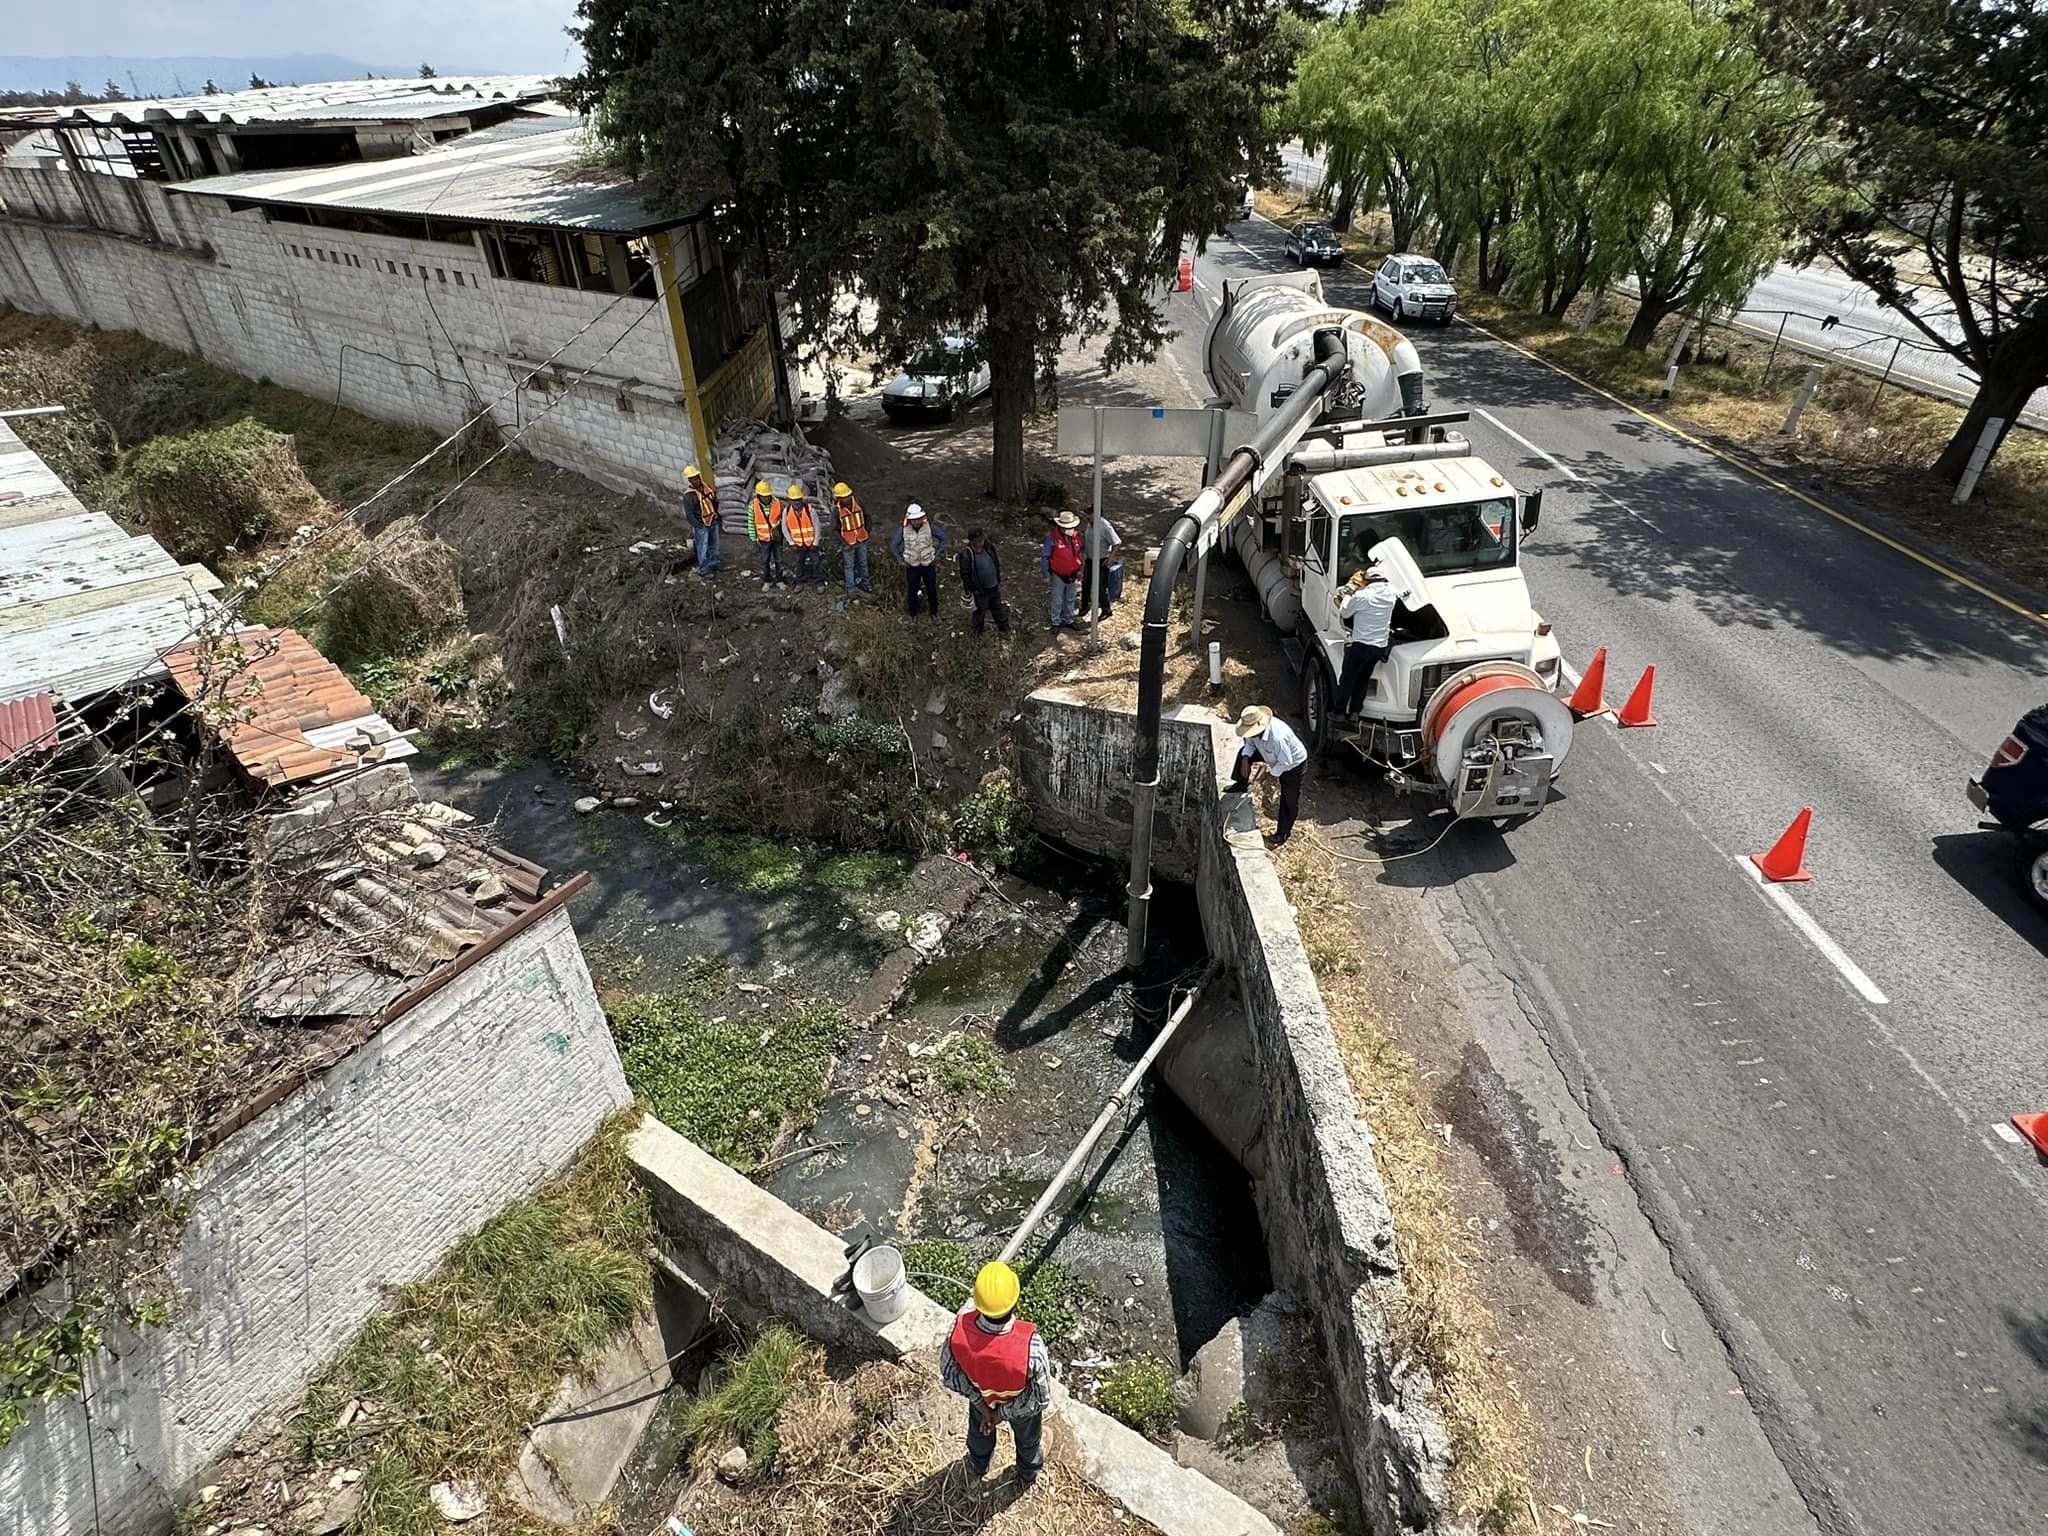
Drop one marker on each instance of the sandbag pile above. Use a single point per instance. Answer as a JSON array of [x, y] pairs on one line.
[[749, 451]]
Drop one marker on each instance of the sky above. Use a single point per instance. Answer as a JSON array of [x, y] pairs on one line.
[[511, 36]]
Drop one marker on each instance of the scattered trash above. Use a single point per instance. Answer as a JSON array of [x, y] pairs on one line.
[[587, 804], [732, 1466], [625, 735], [209, 1493], [926, 933], [457, 1501], [624, 802], [889, 921], [658, 821], [644, 547], [751, 986], [662, 704]]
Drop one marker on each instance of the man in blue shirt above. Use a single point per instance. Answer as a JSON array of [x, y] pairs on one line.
[[1272, 742], [981, 578]]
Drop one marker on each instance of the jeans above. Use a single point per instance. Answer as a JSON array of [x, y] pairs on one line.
[[771, 559], [1066, 596], [1290, 792], [1359, 660], [810, 564], [981, 1445], [920, 578], [988, 603], [705, 537], [855, 558], [1103, 599]]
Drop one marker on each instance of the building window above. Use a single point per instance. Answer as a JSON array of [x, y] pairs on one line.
[[408, 269], [458, 277], [441, 273]]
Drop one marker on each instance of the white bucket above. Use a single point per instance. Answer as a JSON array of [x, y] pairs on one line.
[[884, 1292]]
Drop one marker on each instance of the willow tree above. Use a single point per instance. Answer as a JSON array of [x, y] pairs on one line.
[[1027, 169]]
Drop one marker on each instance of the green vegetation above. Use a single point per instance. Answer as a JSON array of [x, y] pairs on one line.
[[450, 1375], [754, 865], [970, 1065], [1052, 1296], [861, 871], [994, 821], [1140, 1392], [726, 1082], [205, 493], [745, 1405]]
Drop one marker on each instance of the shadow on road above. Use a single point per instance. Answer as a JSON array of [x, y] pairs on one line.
[[1982, 864]]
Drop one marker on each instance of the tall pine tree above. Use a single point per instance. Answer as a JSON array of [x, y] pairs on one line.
[[1025, 167]]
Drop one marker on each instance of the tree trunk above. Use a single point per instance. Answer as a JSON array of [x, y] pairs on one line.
[[2014, 373], [1010, 363], [1643, 329], [1347, 201]]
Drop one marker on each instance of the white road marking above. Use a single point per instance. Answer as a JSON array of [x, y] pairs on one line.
[[1660, 768], [2005, 1132], [1545, 455], [1818, 936]]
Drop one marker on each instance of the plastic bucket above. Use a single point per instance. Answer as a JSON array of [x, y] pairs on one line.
[[884, 1291]]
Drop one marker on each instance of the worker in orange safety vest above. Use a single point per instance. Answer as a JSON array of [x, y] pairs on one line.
[[701, 503], [800, 527], [764, 517], [853, 537], [997, 1361]]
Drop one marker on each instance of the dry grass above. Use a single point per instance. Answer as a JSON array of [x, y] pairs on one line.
[[1447, 1322]]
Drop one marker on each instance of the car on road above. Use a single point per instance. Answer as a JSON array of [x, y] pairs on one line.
[[1414, 287], [1244, 201], [2014, 792], [950, 373], [1314, 245]]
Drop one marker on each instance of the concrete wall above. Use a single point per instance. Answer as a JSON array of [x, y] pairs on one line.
[[1328, 1227], [413, 331], [1075, 762], [357, 1183]]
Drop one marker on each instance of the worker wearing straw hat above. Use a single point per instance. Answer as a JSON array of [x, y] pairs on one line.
[[1265, 740], [997, 1361]]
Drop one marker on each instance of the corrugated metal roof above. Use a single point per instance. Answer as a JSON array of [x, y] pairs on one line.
[[541, 177], [27, 723], [84, 605], [333, 101], [291, 713]]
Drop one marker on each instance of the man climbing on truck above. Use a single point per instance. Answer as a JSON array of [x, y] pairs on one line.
[[1366, 603]]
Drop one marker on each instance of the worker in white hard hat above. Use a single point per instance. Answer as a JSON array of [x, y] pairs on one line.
[[1366, 603], [918, 545], [1269, 742], [700, 503], [997, 1361]]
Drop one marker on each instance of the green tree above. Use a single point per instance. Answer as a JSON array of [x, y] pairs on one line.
[[1030, 167], [113, 91], [428, 72], [257, 82], [1939, 155]]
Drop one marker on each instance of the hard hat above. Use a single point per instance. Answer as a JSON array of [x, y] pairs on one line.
[[690, 471], [842, 489], [795, 489], [1254, 720], [996, 1290], [763, 488], [912, 513]]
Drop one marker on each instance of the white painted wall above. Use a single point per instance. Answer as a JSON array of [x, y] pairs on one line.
[[404, 330], [359, 1182]]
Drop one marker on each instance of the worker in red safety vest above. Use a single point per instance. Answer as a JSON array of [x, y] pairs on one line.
[[998, 1363]]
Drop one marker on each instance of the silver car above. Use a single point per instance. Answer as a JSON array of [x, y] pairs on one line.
[[953, 372], [1414, 287]]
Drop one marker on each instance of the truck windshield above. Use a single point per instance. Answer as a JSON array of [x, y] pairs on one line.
[[1473, 537]]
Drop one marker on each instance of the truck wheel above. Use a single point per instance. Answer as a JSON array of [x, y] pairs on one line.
[[2032, 870], [1317, 691]]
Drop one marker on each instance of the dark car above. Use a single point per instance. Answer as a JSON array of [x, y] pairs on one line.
[[2014, 792], [1314, 245]]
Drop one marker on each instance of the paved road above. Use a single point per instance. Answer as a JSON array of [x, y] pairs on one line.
[[1866, 336], [1805, 1090]]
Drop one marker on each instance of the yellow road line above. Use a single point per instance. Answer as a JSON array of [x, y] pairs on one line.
[[1751, 470]]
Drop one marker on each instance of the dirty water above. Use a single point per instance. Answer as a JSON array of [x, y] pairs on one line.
[[919, 1138]]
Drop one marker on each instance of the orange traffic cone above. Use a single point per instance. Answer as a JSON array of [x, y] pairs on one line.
[[1587, 698], [2035, 1129], [1186, 280], [1786, 862], [1637, 710]]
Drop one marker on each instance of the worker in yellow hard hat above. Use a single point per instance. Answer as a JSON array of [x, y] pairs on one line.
[[997, 1361], [700, 505], [764, 521], [853, 537], [800, 527]]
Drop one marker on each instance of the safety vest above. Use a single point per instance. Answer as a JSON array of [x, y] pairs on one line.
[[1065, 556], [997, 1365], [920, 545], [800, 525], [766, 517], [705, 501], [853, 522]]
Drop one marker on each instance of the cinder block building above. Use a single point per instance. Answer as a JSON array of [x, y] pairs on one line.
[[420, 251]]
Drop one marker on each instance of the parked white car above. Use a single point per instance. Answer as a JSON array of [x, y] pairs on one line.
[[952, 373], [1414, 287]]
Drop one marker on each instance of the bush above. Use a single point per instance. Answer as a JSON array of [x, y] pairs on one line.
[[994, 821], [1140, 1393], [746, 1404], [205, 493]]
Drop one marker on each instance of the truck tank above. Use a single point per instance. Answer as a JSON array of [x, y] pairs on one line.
[[1263, 339]]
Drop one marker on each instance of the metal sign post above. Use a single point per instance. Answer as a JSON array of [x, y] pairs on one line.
[[1095, 541]]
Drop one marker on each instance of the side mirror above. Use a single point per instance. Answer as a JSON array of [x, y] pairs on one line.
[[1532, 511]]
